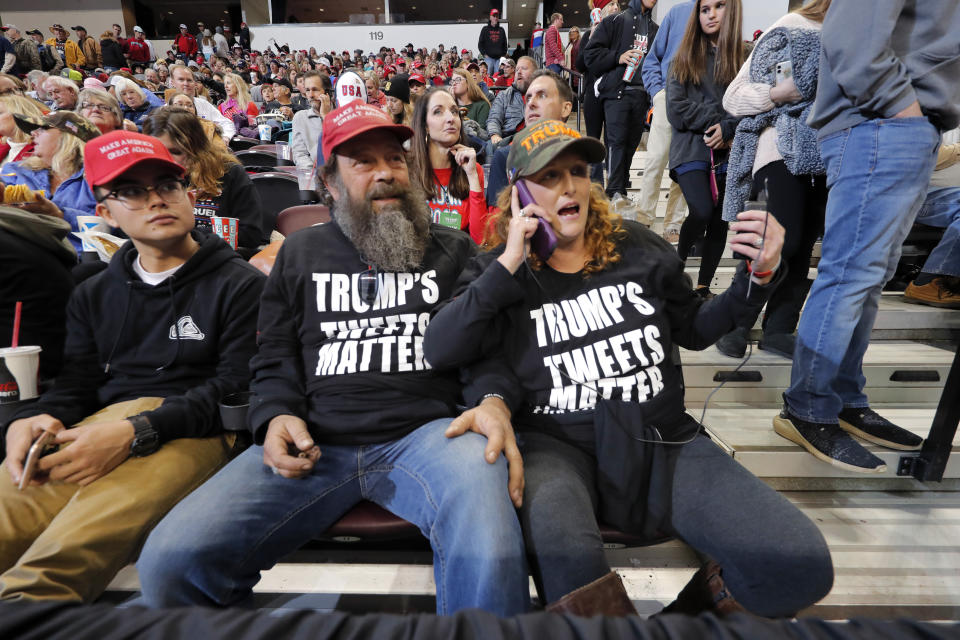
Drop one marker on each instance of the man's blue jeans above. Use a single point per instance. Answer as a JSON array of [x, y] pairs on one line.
[[493, 65], [942, 209], [211, 548], [877, 173]]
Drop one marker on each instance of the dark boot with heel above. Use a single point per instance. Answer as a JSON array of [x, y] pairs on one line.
[[604, 596], [706, 591]]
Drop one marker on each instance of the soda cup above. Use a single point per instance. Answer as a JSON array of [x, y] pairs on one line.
[[266, 132], [20, 367], [631, 70], [226, 228], [90, 223]]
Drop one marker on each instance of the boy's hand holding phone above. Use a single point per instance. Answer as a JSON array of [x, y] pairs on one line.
[[21, 435]]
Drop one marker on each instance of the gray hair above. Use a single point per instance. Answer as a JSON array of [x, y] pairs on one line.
[[103, 97]]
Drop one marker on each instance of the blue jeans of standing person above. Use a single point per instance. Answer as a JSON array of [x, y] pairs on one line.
[[211, 548], [941, 208], [493, 65], [775, 560], [877, 173]]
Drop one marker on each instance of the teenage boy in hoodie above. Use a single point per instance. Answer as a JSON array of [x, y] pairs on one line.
[[617, 45], [344, 406], [153, 343]]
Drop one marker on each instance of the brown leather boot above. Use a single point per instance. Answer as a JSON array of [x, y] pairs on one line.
[[706, 591], [604, 596]]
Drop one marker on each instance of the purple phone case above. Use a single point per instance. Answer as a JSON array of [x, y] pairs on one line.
[[544, 240]]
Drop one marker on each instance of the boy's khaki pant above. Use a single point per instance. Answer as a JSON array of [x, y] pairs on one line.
[[67, 542]]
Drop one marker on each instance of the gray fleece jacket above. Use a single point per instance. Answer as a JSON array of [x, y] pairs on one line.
[[879, 57]]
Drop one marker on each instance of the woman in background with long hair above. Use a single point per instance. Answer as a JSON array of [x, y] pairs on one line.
[[708, 59]]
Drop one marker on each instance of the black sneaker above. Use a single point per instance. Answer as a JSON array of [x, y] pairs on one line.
[[734, 344], [705, 293], [780, 344], [868, 424], [828, 442]]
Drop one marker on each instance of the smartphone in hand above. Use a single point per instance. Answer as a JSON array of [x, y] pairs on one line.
[[544, 240], [42, 446]]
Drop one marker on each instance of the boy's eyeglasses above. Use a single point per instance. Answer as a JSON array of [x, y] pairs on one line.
[[136, 197]]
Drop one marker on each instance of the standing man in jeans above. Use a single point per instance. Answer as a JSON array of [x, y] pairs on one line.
[[887, 87], [553, 45], [493, 43], [656, 66]]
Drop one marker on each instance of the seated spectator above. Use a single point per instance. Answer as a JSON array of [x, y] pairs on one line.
[[150, 96], [548, 98], [468, 94], [103, 110], [418, 86], [223, 187], [433, 75], [180, 100], [580, 460], [35, 260], [11, 84], [506, 112], [173, 347], [375, 96], [336, 429], [111, 51], [34, 83], [238, 106], [133, 101], [506, 74], [308, 124], [282, 90], [62, 93], [478, 78], [56, 166], [183, 80], [938, 284], [445, 165], [15, 143], [398, 105]]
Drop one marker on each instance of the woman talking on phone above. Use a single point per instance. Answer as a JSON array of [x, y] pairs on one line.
[[574, 349], [445, 165], [708, 58]]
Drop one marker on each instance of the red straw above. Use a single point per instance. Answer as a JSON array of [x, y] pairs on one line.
[[16, 324]]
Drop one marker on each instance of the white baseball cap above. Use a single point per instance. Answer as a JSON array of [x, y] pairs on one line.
[[138, 29]]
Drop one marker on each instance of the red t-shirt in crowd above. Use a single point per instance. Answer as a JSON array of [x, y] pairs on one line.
[[468, 215]]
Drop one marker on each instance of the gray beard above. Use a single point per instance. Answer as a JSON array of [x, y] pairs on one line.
[[396, 237]]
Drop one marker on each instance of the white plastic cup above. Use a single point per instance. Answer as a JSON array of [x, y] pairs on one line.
[[266, 132], [90, 223], [284, 152], [24, 364], [307, 178]]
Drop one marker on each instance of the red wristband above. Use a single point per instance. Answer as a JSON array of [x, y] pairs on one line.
[[759, 274]]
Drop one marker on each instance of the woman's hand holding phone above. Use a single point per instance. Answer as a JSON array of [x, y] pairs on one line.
[[759, 237], [713, 137], [523, 224]]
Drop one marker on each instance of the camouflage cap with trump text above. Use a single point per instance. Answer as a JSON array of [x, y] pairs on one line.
[[536, 146]]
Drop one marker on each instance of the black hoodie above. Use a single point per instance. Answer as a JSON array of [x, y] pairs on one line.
[[188, 339], [608, 41]]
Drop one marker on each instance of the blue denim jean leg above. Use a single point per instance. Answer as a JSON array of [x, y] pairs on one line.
[[941, 208], [877, 173], [210, 549]]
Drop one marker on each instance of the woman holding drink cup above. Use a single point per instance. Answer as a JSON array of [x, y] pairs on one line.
[[224, 189]]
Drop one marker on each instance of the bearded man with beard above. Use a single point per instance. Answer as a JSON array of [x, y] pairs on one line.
[[344, 407]]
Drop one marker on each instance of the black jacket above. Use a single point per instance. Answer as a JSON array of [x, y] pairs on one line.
[[691, 110], [493, 41], [547, 344], [355, 374], [189, 340], [608, 41], [112, 53]]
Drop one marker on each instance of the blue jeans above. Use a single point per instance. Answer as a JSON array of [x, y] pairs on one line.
[[877, 173], [493, 65], [210, 549], [942, 209]]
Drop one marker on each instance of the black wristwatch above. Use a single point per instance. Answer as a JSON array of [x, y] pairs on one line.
[[146, 440]]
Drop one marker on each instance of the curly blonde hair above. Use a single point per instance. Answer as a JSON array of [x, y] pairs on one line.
[[603, 231]]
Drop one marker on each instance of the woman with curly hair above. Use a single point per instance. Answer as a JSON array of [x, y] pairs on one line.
[[575, 346], [223, 187], [445, 165]]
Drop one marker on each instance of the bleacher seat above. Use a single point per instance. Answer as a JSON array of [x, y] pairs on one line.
[[300, 217], [278, 191], [240, 143], [250, 158]]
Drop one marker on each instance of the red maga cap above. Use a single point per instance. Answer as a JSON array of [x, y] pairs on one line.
[[349, 121], [108, 156], [416, 77], [496, 12]]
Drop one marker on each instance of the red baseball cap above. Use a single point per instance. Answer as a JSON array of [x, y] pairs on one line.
[[354, 118], [463, 51], [416, 77], [108, 156], [418, 65], [494, 12]]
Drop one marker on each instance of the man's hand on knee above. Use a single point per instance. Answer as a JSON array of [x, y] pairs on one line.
[[95, 450], [288, 448], [20, 435], [491, 418]]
